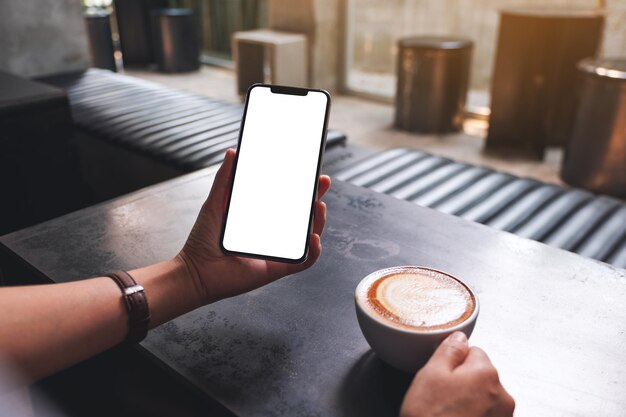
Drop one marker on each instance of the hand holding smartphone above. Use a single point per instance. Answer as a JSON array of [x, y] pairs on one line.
[[269, 211]]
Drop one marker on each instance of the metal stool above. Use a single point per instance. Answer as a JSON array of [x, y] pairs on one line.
[[176, 40], [533, 88], [133, 26], [433, 76], [595, 157], [100, 40]]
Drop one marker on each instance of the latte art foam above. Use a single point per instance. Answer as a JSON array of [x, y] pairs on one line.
[[420, 298]]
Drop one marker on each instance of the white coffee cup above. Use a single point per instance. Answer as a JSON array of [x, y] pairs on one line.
[[403, 345]]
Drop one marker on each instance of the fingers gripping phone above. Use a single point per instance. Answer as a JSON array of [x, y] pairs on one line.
[[269, 212]]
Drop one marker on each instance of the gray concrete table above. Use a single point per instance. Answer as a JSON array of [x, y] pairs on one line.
[[553, 322]]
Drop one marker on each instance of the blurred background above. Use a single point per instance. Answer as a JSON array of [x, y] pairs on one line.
[[370, 41]]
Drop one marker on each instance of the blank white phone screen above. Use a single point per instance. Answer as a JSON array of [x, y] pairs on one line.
[[275, 178]]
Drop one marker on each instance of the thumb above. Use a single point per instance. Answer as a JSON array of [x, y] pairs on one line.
[[451, 352], [221, 183]]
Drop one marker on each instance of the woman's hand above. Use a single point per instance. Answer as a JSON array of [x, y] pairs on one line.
[[458, 381], [72, 321], [217, 275]]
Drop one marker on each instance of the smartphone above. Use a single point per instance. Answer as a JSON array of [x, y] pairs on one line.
[[269, 213]]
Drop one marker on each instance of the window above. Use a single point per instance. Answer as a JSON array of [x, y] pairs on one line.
[[374, 26], [219, 19]]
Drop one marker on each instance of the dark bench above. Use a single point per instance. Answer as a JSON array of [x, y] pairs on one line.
[[568, 218], [134, 133], [39, 171]]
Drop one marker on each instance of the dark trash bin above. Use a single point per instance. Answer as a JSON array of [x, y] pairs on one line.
[[433, 78], [176, 43], [595, 157], [100, 40]]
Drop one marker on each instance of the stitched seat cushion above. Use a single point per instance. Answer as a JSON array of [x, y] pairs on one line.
[[178, 128], [572, 219]]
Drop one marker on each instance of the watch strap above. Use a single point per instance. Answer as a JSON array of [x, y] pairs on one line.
[[136, 304]]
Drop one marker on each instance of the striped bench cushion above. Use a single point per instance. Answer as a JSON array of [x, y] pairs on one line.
[[568, 218], [184, 130]]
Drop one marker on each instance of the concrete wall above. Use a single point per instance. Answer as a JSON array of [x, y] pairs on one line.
[[42, 37]]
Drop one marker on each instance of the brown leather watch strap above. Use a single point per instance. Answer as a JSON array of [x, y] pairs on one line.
[[136, 304]]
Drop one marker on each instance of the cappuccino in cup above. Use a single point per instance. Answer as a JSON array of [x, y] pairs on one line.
[[406, 311]]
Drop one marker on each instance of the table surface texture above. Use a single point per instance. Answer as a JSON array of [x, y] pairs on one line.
[[553, 322]]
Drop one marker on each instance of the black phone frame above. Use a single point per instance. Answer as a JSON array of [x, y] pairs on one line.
[[279, 89]]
